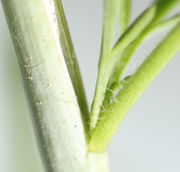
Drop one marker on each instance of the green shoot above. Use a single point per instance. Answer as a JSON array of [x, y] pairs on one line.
[[114, 113], [107, 61]]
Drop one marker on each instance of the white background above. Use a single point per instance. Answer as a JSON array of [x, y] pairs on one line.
[[149, 138]]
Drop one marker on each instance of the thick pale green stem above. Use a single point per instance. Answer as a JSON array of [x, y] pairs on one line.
[[55, 111]]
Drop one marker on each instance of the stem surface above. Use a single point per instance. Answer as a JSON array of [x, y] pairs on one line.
[[55, 111]]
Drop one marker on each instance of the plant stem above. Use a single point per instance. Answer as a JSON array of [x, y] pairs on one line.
[[71, 61], [111, 58], [133, 88], [97, 162], [55, 111]]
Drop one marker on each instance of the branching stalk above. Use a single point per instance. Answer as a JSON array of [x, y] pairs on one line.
[[108, 61], [114, 113]]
